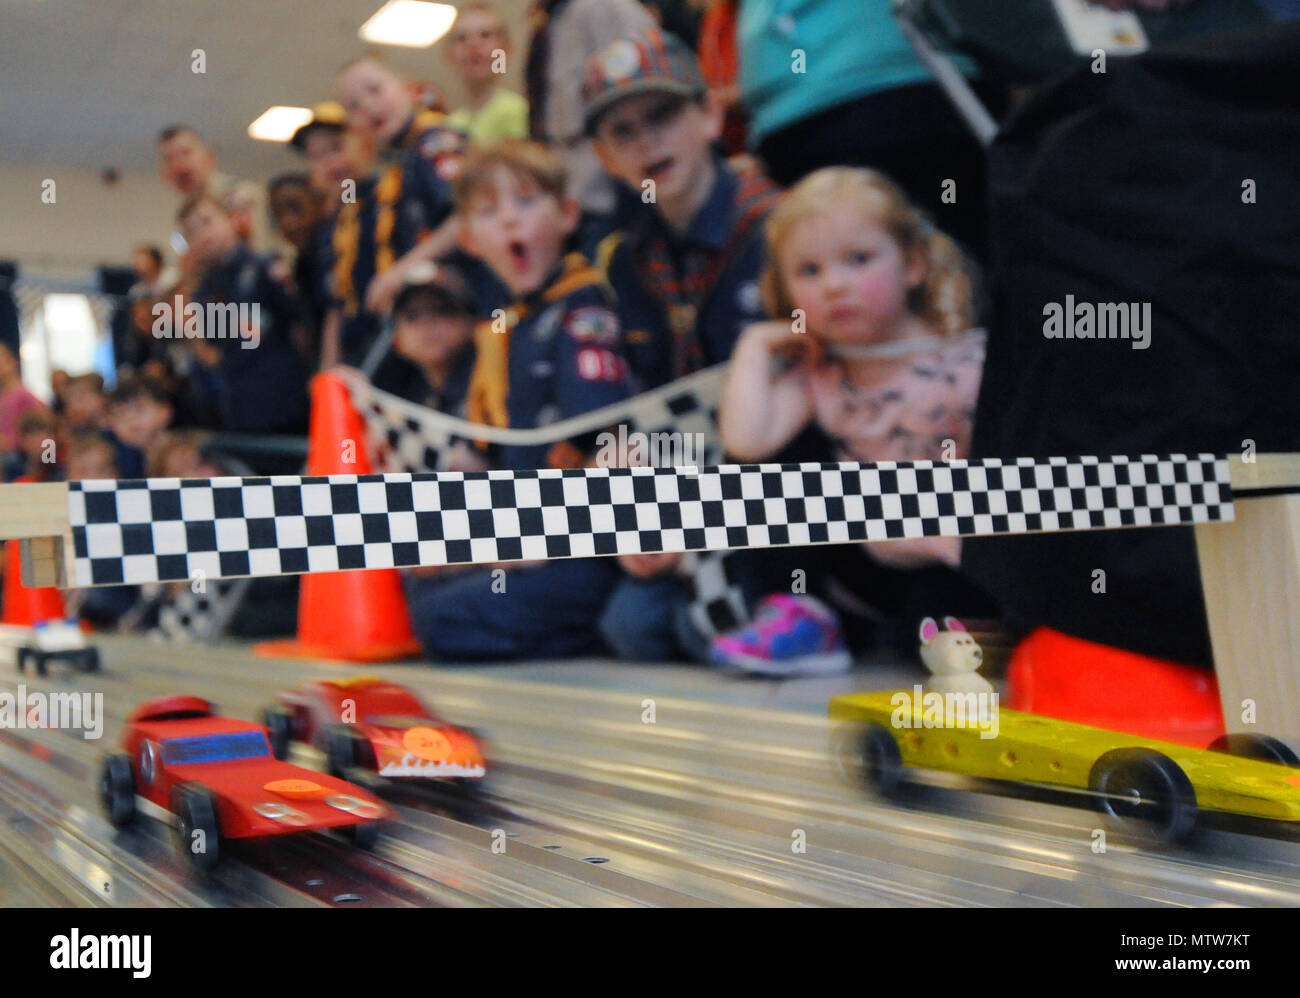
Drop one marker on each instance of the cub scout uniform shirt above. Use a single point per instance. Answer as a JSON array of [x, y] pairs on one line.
[[558, 357], [262, 388]]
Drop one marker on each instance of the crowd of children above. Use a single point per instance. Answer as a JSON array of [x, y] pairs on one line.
[[847, 318]]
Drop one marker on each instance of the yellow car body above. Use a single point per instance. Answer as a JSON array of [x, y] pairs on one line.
[[1032, 749]]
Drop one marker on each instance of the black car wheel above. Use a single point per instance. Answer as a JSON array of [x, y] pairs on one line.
[[117, 789], [21, 660], [279, 730], [342, 750], [364, 835], [198, 830], [42, 663], [1265, 748], [868, 755], [89, 660], [1145, 791]]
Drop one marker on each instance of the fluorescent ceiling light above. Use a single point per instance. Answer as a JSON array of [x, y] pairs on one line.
[[278, 123], [412, 23]]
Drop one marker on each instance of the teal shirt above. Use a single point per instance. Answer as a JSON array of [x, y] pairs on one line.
[[851, 48]]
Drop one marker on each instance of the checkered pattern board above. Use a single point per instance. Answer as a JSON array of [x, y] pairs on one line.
[[168, 529]]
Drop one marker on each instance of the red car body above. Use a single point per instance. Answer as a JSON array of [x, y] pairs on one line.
[[176, 739], [406, 738]]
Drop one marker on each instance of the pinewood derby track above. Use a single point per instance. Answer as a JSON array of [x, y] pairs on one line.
[[589, 805]]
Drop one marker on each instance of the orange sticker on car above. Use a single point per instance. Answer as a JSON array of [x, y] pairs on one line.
[[295, 789], [426, 743]]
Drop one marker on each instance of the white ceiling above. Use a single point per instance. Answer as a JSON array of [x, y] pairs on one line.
[[89, 82]]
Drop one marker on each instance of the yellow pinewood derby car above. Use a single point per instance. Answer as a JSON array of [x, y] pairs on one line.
[[1141, 783]]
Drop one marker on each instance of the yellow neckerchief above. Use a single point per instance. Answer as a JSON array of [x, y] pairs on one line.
[[388, 191], [489, 384]]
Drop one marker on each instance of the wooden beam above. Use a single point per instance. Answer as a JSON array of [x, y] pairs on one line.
[[1250, 572], [1266, 471], [36, 515]]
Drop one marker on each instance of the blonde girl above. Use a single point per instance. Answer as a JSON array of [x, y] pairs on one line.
[[874, 342]]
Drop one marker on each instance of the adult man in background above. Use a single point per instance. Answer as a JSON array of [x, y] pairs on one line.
[[188, 166], [477, 49]]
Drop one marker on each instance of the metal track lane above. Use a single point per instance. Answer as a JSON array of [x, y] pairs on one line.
[[791, 782], [697, 808]]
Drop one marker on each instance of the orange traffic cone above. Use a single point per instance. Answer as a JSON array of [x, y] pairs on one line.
[[1057, 675], [22, 606], [357, 616]]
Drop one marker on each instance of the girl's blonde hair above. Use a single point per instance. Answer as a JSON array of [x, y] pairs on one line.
[[946, 298]]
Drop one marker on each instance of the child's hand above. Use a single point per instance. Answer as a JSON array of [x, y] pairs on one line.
[[383, 289], [645, 566], [464, 458], [207, 354], [915, 552], [781, 340]]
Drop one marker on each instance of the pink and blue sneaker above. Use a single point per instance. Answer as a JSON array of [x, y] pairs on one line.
[[789, 636]]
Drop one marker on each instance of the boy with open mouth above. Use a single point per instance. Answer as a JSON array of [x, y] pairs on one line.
[[553, 354]]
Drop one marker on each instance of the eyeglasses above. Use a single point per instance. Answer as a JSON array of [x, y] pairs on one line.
[[627, 131]]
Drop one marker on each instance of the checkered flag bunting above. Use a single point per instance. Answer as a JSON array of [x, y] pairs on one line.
[[403, 436], [156, 530]]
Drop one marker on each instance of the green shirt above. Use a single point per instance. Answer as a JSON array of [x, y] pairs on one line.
[[504, 116]]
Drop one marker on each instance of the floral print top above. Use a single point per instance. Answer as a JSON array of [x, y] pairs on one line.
[[905, 407]]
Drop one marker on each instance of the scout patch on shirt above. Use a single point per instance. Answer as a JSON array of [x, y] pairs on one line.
[[682, 319], [547, 414], [444, 152], [246, 282], [600, 364], [749, 299], [547, 323], [593, 324], [279, 271], [447, 165], [439, 141]]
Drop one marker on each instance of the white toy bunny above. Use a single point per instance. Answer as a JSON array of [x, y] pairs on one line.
[[952, 656]]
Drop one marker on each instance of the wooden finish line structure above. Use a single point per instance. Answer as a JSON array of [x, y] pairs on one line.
[[1246, 515]]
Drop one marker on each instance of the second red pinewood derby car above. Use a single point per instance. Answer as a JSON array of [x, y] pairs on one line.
[[217, 775], [375, 725]]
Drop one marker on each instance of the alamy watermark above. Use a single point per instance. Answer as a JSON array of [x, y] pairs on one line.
[[70, 711], [102, 952], [932, 709], [1101, 321], [658, 450], [182, 320]]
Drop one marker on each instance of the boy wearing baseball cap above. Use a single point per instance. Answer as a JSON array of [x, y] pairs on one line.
[[686, 272], [433, 331], [688, 265]]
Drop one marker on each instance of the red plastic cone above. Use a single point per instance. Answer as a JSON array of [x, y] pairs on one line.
[[357, 616], [1057, 675], [22, 606]]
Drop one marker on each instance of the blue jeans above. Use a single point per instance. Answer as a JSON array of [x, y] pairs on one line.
[[545, 611], [647, 620]]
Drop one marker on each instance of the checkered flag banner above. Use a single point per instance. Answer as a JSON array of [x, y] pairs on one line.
[[191, 617], [403, 436], [407, 437], [167, 529]]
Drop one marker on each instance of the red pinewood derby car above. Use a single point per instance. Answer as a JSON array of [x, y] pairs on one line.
[[218, 777], [375, 725]]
